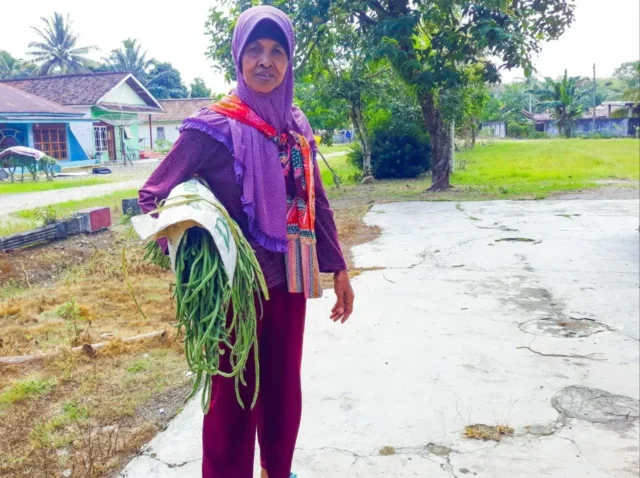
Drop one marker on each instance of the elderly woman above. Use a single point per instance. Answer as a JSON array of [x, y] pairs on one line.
[[257, 153]]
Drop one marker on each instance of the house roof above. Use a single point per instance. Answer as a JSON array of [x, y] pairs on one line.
[[537, 117], [175, 111], [15, 102], [81, 90]]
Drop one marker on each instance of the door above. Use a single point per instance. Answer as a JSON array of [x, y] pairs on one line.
[[111, 143]]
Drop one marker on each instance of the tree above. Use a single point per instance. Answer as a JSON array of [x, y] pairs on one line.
[[199, 89], [309, 17], [11, 67], [165, 82], [431, 43], [131, 59], [57, 53], [564, 98], [629, 74]]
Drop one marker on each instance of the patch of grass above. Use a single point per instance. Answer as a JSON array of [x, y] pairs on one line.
[[335, 148], [513, 169], [27, 219], [26, 388], [113, 200], [29, 186], [345, 171], [139, 365]]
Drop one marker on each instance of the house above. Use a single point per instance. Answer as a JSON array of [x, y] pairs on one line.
[[538, 119], [111, 100], [614, 109], [28, 120], [166, 126]]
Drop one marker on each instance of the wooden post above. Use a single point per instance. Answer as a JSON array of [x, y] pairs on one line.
[[594, 101], [150, 133]]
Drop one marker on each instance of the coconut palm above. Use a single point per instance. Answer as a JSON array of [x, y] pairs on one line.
[[129, 58], [564, 98], [57, 51]]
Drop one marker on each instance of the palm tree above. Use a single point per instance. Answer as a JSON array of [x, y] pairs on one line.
[[130, 59], [564, 98], [57, 52], [632, 83], [9, 66]]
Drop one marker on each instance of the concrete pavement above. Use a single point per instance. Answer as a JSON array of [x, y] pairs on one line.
[[16, 202], [521, 314]]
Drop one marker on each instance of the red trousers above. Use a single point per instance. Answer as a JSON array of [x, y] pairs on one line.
[[229, 432]]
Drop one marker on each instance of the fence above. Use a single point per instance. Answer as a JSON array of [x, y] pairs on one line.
[[614, 127]]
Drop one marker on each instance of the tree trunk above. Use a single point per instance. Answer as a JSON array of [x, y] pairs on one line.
[[440, 142], [474, 128], [361, 131]]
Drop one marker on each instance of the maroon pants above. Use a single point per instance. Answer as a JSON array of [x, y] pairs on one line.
[[229, 432]]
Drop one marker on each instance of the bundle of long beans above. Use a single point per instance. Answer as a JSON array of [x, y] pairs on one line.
[[217, 317]]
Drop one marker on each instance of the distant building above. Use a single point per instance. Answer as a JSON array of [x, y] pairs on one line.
[[167, 125], [28, 120], [614, 109], [112, 100]]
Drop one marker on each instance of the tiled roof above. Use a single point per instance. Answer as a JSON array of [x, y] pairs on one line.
[[175, 111], [76, 90], [14, 101]]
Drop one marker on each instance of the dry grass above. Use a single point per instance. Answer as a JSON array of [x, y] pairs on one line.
[[486, 433], [90, 414], [352, 231], [72, 411]]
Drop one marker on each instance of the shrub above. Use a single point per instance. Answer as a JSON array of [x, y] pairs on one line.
[[520, 130], [163, 145], [327, 138], [395, 152]]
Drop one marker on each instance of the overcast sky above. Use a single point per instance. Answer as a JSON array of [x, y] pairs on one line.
[[605, 32]]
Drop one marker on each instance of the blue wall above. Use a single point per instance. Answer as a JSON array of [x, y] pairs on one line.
[[76, 153], [23, 136], [618, 127]]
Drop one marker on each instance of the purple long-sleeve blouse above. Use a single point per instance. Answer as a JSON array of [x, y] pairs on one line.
[[196, 153]]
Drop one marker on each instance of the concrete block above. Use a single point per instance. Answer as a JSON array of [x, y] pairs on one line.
[[95, 219], [131, 207]]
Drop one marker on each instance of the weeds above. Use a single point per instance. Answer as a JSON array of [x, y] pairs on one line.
[[23, 389], [48, 215], [75, 316]]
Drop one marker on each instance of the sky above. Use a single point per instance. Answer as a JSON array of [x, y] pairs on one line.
[[605, 32]]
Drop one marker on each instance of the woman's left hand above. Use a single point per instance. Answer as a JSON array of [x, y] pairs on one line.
[[344, 295]]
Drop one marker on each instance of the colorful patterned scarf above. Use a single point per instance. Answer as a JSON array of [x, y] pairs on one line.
[[294, 152]]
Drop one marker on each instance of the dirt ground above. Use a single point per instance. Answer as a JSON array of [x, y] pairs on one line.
[[88, 415]]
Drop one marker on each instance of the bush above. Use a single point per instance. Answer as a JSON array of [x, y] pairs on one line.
[[163, 145], [395, 152], [520, 130], [327, 138]]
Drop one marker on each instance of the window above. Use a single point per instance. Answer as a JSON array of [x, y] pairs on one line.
[[51, 139], [100, 137], [160, 134]]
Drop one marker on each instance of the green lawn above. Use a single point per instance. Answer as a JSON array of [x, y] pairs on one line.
[[29, 186], [541, 167], [25, 220], [335, 149], [345, 171], [502, 170]]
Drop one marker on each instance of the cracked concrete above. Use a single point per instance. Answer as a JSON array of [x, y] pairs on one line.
[[435, 345]]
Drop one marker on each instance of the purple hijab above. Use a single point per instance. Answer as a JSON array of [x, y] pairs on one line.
[[257, 166]]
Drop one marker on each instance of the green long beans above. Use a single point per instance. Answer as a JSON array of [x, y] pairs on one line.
[[217, 318]]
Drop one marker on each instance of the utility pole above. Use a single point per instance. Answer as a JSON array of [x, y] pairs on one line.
[[593, 128]]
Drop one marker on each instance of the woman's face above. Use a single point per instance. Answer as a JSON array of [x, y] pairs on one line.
[[264, 65]]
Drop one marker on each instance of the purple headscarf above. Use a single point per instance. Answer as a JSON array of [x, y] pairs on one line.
[[257, 166]]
